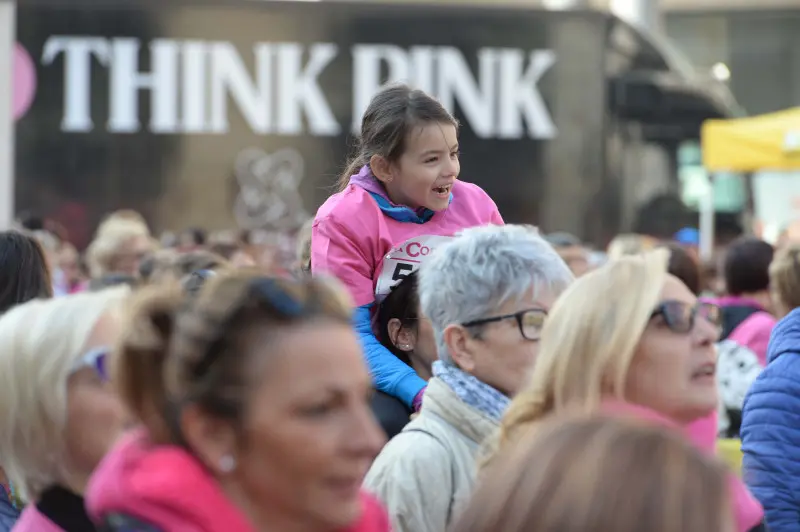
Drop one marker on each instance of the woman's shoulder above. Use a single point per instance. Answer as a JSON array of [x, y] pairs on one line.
[[341, 206], [470, 198]]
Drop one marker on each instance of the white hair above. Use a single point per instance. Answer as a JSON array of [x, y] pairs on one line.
[[40, 342], [482, 269]]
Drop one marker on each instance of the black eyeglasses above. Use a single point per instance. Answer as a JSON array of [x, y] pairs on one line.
[[680, 316], [530, 322]]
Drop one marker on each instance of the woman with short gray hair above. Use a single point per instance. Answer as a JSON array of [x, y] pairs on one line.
[[486, 294]]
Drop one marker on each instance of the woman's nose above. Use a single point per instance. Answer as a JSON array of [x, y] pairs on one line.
[[705, 332]]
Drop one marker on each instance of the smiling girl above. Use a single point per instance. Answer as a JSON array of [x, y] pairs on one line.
[[398, 199]]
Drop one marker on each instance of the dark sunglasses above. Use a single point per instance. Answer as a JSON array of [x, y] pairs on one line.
[[530, 322], [680, 316], [96, 359]]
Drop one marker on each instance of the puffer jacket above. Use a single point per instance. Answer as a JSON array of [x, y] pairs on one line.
[[771, 429], [425, 474]]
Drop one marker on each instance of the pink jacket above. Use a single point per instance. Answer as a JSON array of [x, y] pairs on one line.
[[32, 520], [167, 487], [749, 512]]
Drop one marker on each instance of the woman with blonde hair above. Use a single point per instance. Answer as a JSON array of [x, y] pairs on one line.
[[565, 477], [628, 338], [58, 413]]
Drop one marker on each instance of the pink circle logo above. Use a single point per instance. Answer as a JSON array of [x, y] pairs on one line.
[[24, 82]]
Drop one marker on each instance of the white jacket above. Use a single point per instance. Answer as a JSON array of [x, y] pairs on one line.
[[425, 474]]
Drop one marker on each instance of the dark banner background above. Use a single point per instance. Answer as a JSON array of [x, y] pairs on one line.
[[180, 180]]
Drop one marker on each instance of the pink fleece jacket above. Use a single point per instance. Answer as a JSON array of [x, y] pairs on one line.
[[167, 487], [749, 512]]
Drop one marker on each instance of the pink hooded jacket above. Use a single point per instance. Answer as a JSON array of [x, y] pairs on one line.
[[749, 512], [168, 488]]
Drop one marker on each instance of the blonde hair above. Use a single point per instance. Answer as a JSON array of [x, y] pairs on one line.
[[784, 276], [630, 244], [589, 340], [40, 342], [111, 236], [600, 474]]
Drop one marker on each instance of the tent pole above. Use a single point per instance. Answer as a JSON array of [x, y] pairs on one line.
[[7, 40], [707, 222]]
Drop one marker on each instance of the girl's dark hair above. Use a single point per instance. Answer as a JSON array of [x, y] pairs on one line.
[[391, 115], [401, 303], [24, 272], [683, 266], [747, 266], [179, 350]]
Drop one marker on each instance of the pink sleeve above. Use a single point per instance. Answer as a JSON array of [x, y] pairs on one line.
[[335, 252], [496, 219], [754, 333]]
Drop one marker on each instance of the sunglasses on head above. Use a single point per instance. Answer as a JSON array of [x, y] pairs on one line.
[[96, 360], [680, 316], [264, 290]]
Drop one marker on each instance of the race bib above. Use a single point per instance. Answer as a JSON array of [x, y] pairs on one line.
[[403, 260]]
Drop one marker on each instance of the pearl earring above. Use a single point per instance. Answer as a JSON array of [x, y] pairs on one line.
[[405, 346], [227, 463]]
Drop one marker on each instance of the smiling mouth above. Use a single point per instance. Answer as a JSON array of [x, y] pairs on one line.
[[444, 189]]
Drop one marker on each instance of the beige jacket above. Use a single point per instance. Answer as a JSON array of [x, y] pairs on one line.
[[425, 474]]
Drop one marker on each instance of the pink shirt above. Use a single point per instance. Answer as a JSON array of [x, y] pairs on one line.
[[351, 236], [748, 511]]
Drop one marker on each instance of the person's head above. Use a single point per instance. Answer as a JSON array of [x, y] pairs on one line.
[[69, 262], [192, 238], [403, 330], [626, 331], [270, 390], [410, 143], [683, 265], [234, 253], [746, 268], [58, 413], [629, 244], [572, 251], [600, 474], [119, 247], [784, 277], [24, 271], [487, 294]]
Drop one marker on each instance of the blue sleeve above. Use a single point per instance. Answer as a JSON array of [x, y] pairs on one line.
[[770, 435], [389, 373]]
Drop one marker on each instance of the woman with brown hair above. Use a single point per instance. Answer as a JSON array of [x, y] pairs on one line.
[[600, 475], [252, 397]]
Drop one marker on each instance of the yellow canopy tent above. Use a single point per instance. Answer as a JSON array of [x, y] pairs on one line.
[[765, 142]]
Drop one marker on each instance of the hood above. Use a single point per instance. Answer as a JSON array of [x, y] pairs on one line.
[[364, 179], [168, 488], [785, 336], [163, 485], [747, 509]]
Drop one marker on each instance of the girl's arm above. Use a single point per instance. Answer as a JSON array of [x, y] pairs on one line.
[[335, 252]]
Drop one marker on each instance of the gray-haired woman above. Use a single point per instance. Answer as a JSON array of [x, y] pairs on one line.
[[487, 294]]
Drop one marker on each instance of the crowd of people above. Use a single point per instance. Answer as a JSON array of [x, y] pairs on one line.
[[417, 366]]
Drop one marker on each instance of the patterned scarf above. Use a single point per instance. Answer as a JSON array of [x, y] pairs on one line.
[[469, 389]]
